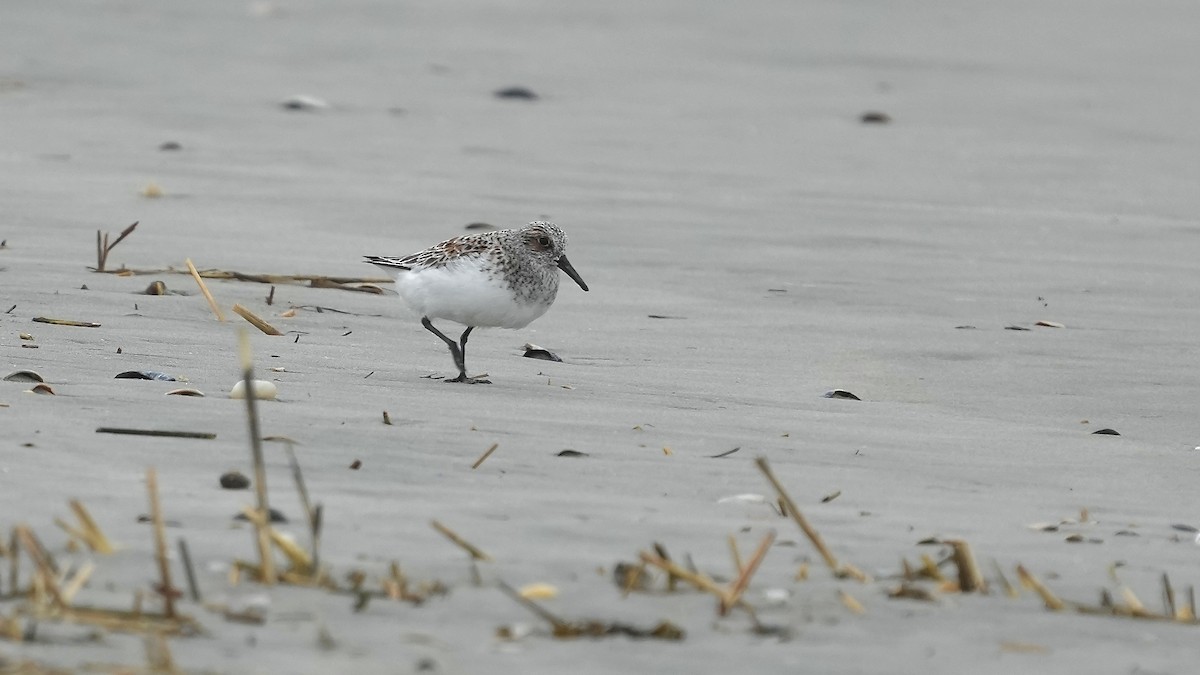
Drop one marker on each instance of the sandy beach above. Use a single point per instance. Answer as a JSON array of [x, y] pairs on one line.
[[750, 244]]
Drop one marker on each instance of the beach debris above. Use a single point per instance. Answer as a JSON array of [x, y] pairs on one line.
[[25, 336], [970, 578], [255, 321], [164, 588], [875, 117], [103, 248], [41, 388], [486, 453], [479, 226], [170, 146], [1050, 324], [538, 591], [965, 327], [156, 432], [571, 453], [747, 498], [533, 351], [152, 191], [516, 93], [563, 629], [356, 465], [145, 375], [234, 480], [66, 322], [87, 532], [831, 496], [663, 316], [155, 288], [185, 391], [273, 516], [726, 453], [1105, 432], [471, 549], [851, 602], [23, 376], [841, 393], [1014, 327], [305, 103], [204, 290], [387, 419], [840, 570], [261, 389]]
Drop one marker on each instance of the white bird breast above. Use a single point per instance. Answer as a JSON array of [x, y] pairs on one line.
[[466, 294]]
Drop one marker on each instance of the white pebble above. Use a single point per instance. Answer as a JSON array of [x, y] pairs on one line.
[[263, 390]]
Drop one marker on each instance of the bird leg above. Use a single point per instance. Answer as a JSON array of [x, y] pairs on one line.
[[457, 351]]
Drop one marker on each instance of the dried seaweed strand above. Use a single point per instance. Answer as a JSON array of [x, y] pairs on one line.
[[262, 536], [255, 320], [165, 589], [738, 587], [809, 531], [475, 553], [204, 289]]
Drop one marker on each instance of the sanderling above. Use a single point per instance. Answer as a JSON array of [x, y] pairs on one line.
[[500, 279]]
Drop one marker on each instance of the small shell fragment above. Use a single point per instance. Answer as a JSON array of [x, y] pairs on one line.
[[571, 453], [1050, 324], [841, 393], [748, 498], [263, 390], [538, 591], [26, 336], [41, 389], [1106, 432], [186, 391], [155, 288], [304, 102], [23, 376]]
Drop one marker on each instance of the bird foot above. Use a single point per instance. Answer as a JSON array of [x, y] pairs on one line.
[[462, 377]]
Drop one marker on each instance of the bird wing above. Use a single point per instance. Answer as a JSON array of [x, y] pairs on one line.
[[389, 262]]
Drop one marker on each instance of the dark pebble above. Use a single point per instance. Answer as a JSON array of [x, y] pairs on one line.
[[875, 117], [356, 464], [518, 93], [234, 480]]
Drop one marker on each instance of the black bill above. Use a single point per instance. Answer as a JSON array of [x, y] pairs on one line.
[[565, 265]]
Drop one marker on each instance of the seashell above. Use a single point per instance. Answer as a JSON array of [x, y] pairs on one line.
[[152, 191], [1106, 432], [23, 376], [841, 393], [155, 288], [263, 390], [1050, 324], [145, 375], [25, 336], [533, 351], [41, 389], [186, 391], [571, 453]]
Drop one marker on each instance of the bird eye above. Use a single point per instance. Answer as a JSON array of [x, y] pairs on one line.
[[544, 242]]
